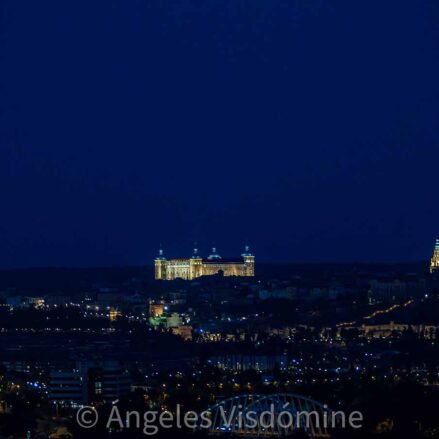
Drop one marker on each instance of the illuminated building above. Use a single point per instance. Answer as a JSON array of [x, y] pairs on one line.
[[156, 309], [114, 314], [157, 313], [89, 382], [434, 265], [173, 321], [185, 332], [37, 302], [196, 266]]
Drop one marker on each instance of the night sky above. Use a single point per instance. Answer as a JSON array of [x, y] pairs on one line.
[[307, 129]]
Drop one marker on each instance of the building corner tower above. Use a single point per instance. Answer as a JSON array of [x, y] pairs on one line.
[[160, 265], [249, 262], [195, 265]]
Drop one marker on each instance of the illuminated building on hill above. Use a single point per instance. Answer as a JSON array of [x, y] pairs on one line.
[[156, 309], [434, 265], [196, 266]]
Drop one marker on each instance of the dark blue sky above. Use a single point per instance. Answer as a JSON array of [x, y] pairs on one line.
[[308, 129]]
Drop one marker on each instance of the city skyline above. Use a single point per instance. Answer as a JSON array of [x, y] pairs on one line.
[[217, 209]]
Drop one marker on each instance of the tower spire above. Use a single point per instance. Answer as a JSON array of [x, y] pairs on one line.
[[247, 251], [160, 256], [434, 264], [195, 254], [214, 254]]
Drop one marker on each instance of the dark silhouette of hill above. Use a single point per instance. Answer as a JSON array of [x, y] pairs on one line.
[[73, 279]]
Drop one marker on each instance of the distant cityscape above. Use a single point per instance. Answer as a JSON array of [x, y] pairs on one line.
[[198, 331], [218, 219]]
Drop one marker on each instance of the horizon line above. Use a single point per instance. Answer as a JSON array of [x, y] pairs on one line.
[[264, 262]]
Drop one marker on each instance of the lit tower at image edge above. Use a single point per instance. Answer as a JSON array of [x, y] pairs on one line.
[[196, 266], [434, 265]]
